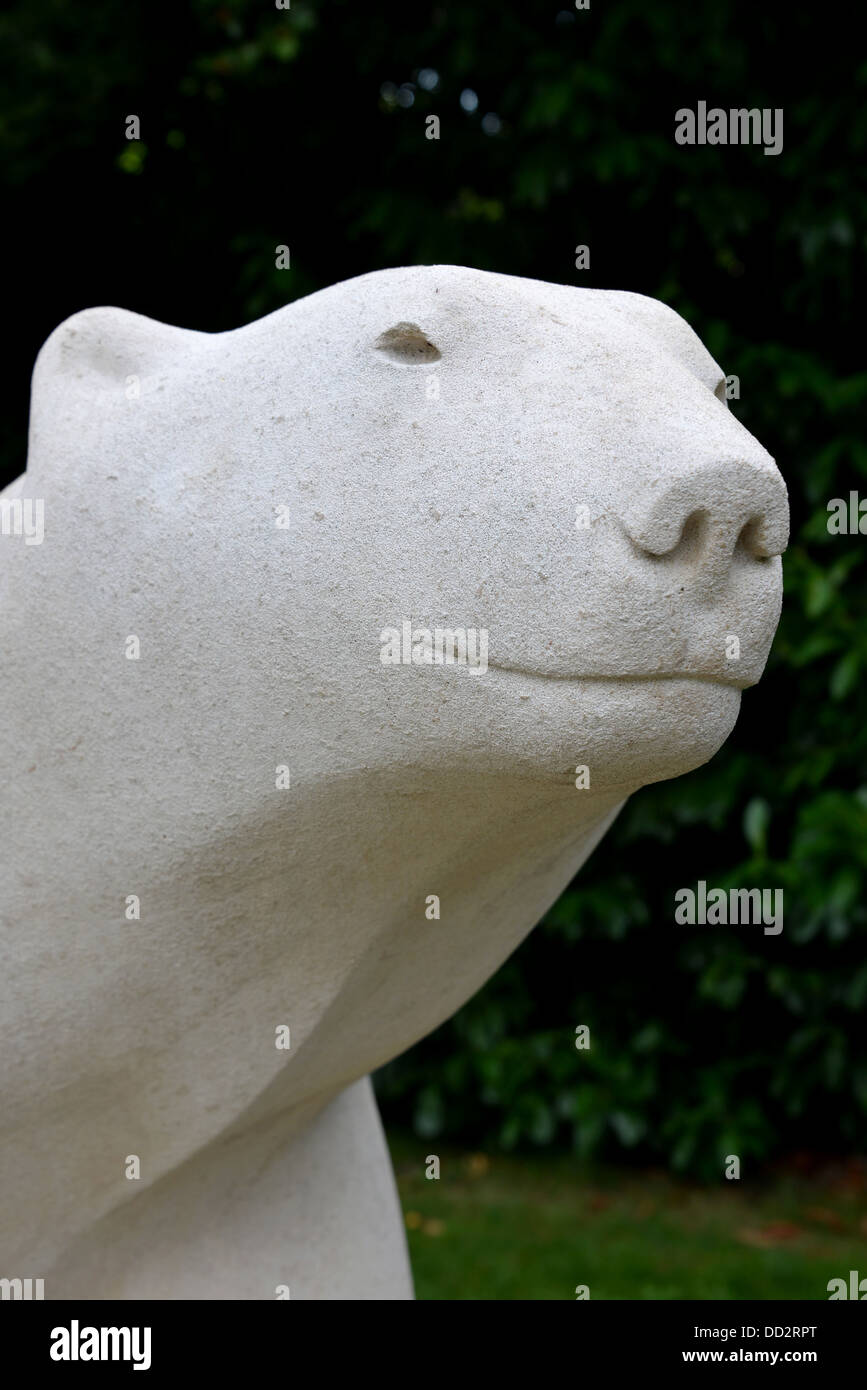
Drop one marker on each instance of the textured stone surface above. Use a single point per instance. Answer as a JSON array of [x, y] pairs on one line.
[[430, 435]]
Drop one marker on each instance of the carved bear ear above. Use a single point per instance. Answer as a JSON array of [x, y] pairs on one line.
[[91, 373], [407, 344], [103, 346]]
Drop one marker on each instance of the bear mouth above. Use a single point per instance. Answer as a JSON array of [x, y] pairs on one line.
[[707, 677]]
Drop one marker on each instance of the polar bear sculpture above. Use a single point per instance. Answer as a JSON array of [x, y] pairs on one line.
[[250, 738]]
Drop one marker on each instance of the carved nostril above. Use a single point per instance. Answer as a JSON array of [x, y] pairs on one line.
[[676, 539], [689, 543], [702, 540], [753, 541]]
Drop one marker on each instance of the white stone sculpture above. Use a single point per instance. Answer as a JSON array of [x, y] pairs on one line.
[[233, 798]]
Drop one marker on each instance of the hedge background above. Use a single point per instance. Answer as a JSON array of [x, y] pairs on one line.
[[263, 127]]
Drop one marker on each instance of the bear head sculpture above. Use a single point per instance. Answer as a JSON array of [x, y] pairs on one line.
[[327, 613]]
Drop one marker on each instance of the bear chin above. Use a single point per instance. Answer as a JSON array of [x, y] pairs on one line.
[[627, 732], [690, 719]]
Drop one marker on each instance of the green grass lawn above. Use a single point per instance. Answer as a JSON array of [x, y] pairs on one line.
[[502, 1227]]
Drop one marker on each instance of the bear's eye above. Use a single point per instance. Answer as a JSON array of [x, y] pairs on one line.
[[407, 344]]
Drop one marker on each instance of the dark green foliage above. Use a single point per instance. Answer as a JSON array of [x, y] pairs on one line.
[[263, 127]]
